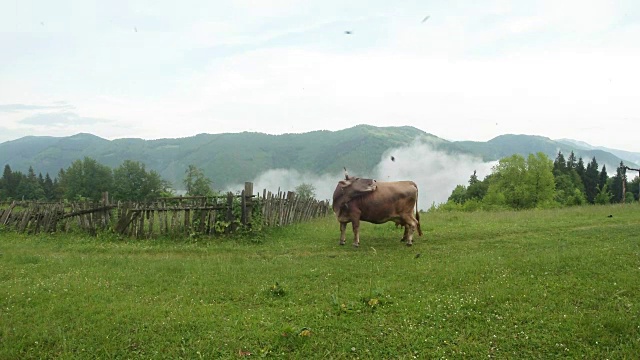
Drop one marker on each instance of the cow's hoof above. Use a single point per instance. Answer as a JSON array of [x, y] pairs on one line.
[[356, 245], [409, 244], [341, 244]]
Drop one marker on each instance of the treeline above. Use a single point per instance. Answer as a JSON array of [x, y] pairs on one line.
[[517, 182], [87, 179]]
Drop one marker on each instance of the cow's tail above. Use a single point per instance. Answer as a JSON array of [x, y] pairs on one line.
[[418, 213]]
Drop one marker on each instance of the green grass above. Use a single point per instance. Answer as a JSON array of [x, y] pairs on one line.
[[532, 284]]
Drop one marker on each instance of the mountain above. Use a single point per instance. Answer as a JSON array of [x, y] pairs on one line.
[[224, 158], [506, 145], [628, 156], [236, 157]]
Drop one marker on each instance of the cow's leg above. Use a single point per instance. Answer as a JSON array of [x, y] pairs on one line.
[[343, 229], [410, 226], [356, 232], [405, 236]]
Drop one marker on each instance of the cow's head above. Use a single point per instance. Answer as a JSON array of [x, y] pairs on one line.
[[351, 187]]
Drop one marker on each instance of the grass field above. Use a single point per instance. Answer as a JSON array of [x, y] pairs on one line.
[[532, 284]]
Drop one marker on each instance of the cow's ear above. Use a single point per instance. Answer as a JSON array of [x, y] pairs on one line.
[[344, 183]]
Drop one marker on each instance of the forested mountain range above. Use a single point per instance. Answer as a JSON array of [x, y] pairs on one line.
[[236, 157]]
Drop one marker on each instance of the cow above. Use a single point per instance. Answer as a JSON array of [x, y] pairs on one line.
[[356, 199]]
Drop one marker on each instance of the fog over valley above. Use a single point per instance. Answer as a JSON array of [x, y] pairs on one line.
[[435, 172]]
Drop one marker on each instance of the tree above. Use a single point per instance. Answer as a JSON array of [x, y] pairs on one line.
[[522, 184], [580, 169], [29, 187], [196, 183], [132, 182], [8, 183], [458, 195], [59, 188], [508, 181], [617, 184], [539, 180], [306, 191], [634, 187], [590, 180], [603, 196], [571, 161], [87, 179], [48, 187], [603, 177], [560, 165], [477, 189]]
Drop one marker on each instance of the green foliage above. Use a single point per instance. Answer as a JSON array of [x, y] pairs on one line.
[[535, 182], [634, 187], [196, 183], [577, 198], [557, 283], [478, 189], [132, 182], [87, 179], [604, 196], [590, 180], [29, 187], [306, 191], [522, 184], [459, 194], [617, 185], [539, 180], [629, 198]]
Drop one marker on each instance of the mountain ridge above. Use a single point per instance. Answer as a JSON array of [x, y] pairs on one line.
[[229, 158]]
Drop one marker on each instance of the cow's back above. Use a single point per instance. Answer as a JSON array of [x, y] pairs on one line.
[[388, 203]]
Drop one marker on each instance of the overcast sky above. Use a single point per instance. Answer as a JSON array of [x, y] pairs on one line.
[[471, 71]]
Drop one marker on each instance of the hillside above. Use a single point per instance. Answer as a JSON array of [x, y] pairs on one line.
[[506, 145], [225, 158], [237, 157]]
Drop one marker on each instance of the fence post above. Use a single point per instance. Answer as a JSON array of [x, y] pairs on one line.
[[247, 203], [229, 228]]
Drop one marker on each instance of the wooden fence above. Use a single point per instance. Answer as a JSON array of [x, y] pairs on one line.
[[179, 216]]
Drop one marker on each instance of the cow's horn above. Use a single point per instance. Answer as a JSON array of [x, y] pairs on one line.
[[346, 174]]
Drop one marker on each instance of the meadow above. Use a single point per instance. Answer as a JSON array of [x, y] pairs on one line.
[[560, 283]]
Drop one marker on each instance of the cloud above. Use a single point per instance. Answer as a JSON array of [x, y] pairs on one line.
[[435, 172], [30, 107], [59, 119], [288, 179]]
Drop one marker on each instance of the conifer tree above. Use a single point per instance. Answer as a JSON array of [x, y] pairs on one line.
[[616, 184], [559, 165], [603, 177], [591, 180], [571, 161]]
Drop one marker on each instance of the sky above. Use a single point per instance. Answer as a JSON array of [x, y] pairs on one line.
[[461, 70]]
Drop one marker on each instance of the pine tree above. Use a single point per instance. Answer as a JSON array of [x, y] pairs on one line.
[[48, 188], [29, 188], [8, 183], [580, 169], [591, 180], [559, 165], [603, 177], [571, 161]]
